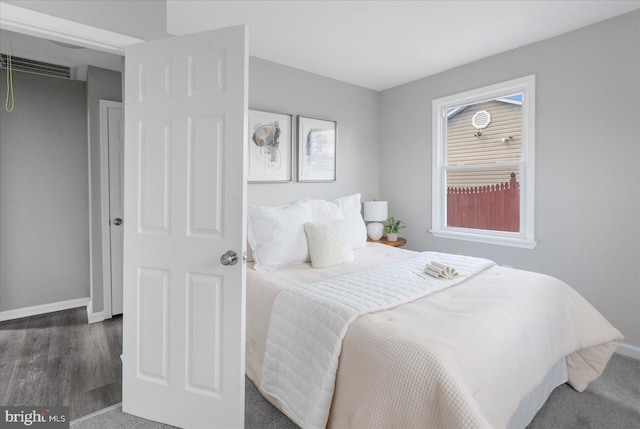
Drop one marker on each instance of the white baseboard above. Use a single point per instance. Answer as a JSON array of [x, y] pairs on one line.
[[94, 317], [629, 351], [43, 309]]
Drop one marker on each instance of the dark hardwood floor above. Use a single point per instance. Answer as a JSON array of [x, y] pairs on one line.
[[59, 359]]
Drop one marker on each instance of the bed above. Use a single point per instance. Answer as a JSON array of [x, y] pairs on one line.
[[483, 353]]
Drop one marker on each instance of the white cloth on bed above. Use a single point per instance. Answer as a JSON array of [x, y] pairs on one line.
[[309, 322]]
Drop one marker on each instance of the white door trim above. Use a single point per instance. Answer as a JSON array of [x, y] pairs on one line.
[[27, 21], [104, 204], [37, 24]]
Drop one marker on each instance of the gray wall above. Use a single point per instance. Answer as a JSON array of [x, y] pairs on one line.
[[587, 206], [106, 85], [44, 219], [281, 89]]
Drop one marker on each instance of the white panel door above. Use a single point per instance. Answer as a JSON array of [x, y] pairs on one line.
[[185, 187], [115, 123]]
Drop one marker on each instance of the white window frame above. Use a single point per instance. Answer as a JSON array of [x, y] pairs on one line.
[[524, 238]]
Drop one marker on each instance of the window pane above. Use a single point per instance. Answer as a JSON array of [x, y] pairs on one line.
[[484, 198], [486, 132]]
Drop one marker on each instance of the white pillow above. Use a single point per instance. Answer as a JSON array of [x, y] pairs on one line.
[[350, 206], [324, 211], [276, 235], [329, 243]]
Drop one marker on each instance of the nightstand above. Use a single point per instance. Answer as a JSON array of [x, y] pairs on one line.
[[399, 242]]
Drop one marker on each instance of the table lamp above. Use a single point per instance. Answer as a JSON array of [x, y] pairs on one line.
[[375, 212]]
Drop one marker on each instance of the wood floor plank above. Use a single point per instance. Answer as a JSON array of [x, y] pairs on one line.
[[6, 372], [12, 334], [94, 400], [60, 359], [30, 366], [60, 374], [28, 384], [113, 331], [96, 370]]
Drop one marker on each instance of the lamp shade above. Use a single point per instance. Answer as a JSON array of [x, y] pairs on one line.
[[375, 211]]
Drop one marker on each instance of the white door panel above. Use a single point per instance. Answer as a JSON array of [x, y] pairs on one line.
[[186, 102]]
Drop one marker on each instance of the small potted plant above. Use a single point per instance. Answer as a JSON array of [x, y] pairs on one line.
[[392, 227]]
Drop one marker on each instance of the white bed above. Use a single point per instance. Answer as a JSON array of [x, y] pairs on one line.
[[361, 338], [484, 353]]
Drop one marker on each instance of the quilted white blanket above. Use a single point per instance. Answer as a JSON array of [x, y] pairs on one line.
[[309, 322]]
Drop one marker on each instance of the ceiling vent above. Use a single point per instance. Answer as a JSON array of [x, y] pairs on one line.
[[38, 67], [481, 119]]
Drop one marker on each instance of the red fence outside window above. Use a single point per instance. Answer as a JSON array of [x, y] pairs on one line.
[[495, 207]]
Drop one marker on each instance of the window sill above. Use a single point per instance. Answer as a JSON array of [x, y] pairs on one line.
[[480, 238]]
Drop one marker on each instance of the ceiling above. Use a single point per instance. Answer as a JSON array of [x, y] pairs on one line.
[[382, 44], [374, 44], [38, 49]]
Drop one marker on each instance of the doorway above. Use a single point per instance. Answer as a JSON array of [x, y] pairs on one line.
[[86, 357], [72, 34], [101, 73]]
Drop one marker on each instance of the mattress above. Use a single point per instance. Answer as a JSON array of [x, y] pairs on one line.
[[374, 389]]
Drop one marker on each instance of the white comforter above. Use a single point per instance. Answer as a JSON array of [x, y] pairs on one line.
[[309, 322], [465, 356]]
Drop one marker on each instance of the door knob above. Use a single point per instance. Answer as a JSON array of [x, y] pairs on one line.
[[229, 258], [117, 221]]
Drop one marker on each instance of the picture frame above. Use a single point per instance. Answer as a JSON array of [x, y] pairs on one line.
[[317, 143], [270, 147]]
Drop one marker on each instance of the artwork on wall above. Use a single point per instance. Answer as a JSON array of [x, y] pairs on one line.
[[270, 147], [316, 150]]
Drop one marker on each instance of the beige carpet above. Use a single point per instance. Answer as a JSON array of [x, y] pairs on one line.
[[611, 402]]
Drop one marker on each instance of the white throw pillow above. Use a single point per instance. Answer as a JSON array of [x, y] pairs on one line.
[[351, 208], [276, 235], [324, 211], [329, 243]]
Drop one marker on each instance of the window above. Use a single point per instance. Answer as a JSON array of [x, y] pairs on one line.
[[483, 164]]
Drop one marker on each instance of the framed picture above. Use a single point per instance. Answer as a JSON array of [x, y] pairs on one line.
[[316, 150], [270, 147]]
